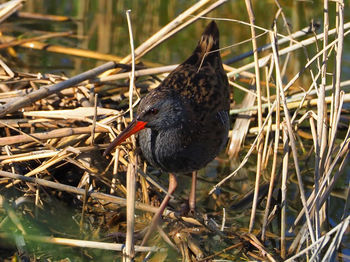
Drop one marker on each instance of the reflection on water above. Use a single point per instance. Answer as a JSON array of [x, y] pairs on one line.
[[101, 26]]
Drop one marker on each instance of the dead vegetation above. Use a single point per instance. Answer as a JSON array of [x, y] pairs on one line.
[[54, 130]]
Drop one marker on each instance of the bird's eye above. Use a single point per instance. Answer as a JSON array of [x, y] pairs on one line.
[[154, 111]]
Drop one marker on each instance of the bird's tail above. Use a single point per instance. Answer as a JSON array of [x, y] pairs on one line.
[[210, 38], [208, 46]]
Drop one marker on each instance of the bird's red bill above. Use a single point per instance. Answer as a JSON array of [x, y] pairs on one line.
[[134, 127]]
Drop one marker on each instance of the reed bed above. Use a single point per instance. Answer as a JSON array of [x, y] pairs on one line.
[[54, 130]]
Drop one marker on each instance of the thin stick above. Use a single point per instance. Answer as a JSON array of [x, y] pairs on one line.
[[258, 91], [284, 191], [129, 251], [93, 128]]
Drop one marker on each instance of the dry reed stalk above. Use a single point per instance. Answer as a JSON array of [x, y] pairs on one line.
[[268, 128], [292, 105], [129, 251], [208, 258], [328, 182], [183, 25], [8, 71], [302, 44], [240, 127], [56, 18], [323, 241], [267, 47], [284, 191], [258, 92], [45, 91], [139, 51], [291, 138], [291, 36], [339, 51], [65, 50], [58, 133], [10, 7], [35, 155], [79, 113], [298, 101], [246, 91], [321, 126], [32, 39], [82, 243]]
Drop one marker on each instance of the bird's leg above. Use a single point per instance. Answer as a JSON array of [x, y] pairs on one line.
[[157, 216], [192, 196]]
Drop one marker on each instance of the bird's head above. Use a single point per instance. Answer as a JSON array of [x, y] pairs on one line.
[[157, 113]]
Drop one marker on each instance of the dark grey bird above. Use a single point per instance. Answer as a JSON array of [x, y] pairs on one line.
[[183, 124]]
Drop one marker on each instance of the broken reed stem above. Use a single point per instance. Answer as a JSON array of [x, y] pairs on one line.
[[258, 92], [292, 140], [37, 38], [129, 251], [45, 91], [284, 191]]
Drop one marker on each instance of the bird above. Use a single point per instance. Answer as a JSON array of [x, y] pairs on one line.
[[183, 123]]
